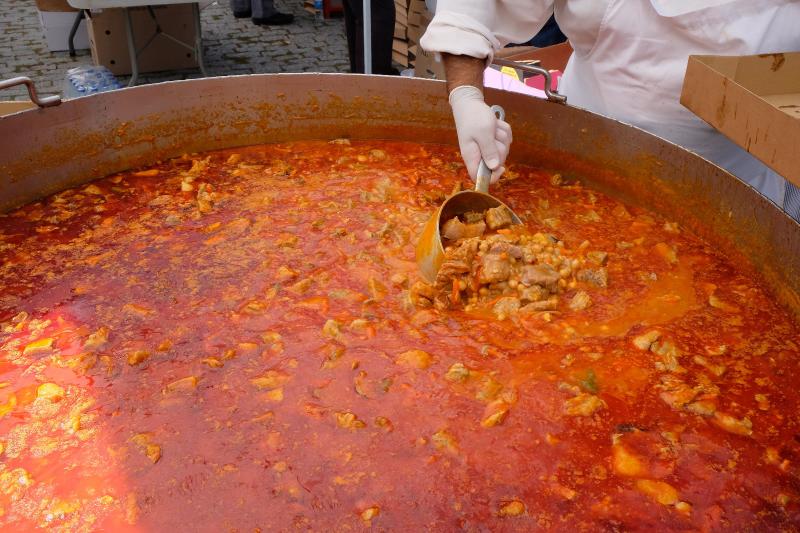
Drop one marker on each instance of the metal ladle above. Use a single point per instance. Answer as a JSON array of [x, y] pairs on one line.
[[430, 249]]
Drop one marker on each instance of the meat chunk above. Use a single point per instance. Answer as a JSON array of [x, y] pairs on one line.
[[598, 258], [455, 230], [595, 276], [506, 307], [551, 304], [496, 268], [498, 217], [533, 294], [457, 260], [580, 301], [506, 248], [472, 217], [543, 275], [420, 288], [732, 424]]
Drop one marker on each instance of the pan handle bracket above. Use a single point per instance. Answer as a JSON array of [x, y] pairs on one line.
[[552, 95], [45, 101]]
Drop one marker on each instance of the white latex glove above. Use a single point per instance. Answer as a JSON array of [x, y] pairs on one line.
[[481, 135]]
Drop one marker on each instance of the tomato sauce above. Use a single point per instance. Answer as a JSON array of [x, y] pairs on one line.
[[225, 341]]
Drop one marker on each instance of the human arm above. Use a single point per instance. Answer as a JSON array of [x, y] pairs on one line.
[[481, 135], [466, 33]]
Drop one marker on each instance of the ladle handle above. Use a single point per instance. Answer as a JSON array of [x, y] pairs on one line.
[[484, 174]]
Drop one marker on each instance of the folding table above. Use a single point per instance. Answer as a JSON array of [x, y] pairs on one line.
[[126, 5]]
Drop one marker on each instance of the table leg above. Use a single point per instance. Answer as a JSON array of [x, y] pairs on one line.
[[198, 40], [74, 30], [131, 48]]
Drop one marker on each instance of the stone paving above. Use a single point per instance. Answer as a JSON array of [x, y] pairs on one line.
[[231, 46]]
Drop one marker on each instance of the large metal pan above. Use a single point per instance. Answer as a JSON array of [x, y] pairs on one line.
[[46, 150]]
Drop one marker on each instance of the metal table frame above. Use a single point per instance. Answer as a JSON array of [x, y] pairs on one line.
[[133, 51]]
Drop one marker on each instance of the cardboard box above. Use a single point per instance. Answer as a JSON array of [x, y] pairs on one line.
[[426, 66], [752, 100], [60, 6], [109, 42], [7, 108], [57, 25]]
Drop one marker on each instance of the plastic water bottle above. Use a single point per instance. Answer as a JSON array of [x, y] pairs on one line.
[[319, 10], [86, 80]]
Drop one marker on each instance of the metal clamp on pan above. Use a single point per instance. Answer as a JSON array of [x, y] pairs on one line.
[[47, 101], [552, 94]]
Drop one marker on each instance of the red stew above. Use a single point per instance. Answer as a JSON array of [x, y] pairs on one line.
[[227, 341]]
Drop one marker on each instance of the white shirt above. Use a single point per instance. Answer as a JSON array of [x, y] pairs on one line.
[[630, 57]]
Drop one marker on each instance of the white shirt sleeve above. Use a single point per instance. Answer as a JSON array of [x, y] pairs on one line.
[[478, 28]]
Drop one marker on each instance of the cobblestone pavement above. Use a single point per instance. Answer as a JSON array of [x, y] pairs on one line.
[[231, 46]]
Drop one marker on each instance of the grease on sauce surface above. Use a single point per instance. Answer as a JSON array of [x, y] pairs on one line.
[[227, 340]]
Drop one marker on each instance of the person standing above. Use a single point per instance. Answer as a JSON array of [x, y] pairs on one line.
[[628, 63], [383, 17], [262, 12]]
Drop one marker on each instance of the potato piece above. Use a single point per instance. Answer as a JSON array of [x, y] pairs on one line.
[[272, 379], [717, 370], [93, 189], [627, 463], [457, 373], [38, 346], [645, 340], [702, 408], [285, 273], [370, 512], [415, 358], [732, 424], [667, 252], [186, 384], [583, 405], [332, 329], [164, 346], [301, 287], [715, 302], [97, 340], [149, 173], [662, 492], [497, 414], [153, 452], [213, 362], [498, 217], [512, 508], [50, 392], [488, 389], [445, 441], [275, 395], [678, 394], [384, 423], [138, 357], [348, 420]]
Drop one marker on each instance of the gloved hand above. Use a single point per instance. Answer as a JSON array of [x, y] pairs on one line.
[[480, 133]]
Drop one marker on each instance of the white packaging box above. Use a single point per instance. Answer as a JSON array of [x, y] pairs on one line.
[[57, 25]]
